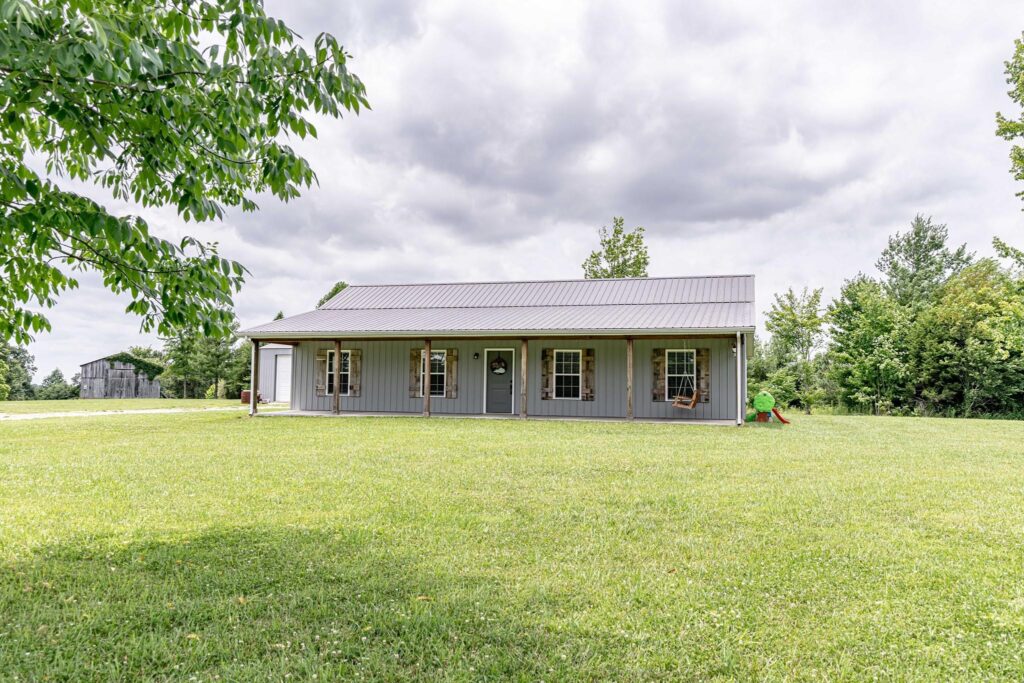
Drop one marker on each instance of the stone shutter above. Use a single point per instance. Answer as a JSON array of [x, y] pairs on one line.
[[321, 372], [547, 374], [658, 375], [451, 373], [703, 357], [587, 379], [355, 372], [415, 359]]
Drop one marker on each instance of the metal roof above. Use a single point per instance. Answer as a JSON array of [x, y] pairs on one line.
[[613, 306]]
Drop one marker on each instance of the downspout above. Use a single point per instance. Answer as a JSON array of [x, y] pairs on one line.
[[739, 379]]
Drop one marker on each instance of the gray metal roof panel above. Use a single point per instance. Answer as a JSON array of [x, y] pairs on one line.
[[596, 306], [676, 290]]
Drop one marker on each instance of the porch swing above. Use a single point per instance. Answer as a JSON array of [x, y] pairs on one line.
[[686, 402]]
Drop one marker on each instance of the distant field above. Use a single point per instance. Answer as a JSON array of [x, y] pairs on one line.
[[210, 545], [98, 404]]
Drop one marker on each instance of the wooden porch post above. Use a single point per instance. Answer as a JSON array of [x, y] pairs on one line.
[[254, 380], [337, 376], [629, 378], [425, 378], [524, 354]]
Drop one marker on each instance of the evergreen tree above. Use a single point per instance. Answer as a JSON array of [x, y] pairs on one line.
[[917, 262]]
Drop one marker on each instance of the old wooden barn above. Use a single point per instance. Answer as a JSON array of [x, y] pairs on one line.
[[118, 376]]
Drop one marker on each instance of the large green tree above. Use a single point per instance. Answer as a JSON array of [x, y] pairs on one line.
[[1011, 128], [868, 354], [622, 254], [180, 103], [916, 263], [969, 346], [21, 367], [55, 388], [796, 325]]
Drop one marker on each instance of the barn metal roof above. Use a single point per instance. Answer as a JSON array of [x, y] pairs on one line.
[[594, 307]]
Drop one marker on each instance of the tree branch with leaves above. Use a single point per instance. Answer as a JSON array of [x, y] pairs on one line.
[[162, 103]]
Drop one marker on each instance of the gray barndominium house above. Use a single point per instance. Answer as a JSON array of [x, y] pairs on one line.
[[653, 348]]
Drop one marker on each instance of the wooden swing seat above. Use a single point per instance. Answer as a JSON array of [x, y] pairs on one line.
[[686, 402]]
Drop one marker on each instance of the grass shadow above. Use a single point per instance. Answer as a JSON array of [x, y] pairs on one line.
[[261, 604]]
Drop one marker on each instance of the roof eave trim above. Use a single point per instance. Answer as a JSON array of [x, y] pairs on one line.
[[456, 334]]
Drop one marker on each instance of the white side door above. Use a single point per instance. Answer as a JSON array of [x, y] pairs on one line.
[[283, 379]]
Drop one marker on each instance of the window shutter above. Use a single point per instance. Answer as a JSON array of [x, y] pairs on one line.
[[587, 381], [321, 372], [415, 359], [451, 374], [547, 374], [704, 374], [355, 371], [658, 372]]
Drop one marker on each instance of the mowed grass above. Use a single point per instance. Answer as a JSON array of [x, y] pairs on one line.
[[205, 545], [114, 404]]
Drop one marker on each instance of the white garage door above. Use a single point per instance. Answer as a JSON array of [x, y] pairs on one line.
[[283, 379]]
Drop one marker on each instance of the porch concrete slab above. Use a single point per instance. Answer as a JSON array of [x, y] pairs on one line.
[[350, 414]]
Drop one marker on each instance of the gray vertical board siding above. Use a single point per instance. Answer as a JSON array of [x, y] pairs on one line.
[[722, 381], [609, 379], [385, 379], [103, 379], [268, 367]]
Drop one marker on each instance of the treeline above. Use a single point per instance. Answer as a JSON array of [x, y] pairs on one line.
[[193, 365], [17, 366], [190, 365], [939, 332]]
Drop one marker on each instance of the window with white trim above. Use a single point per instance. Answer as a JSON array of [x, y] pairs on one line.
[[345, 364], [568, 373], [680, 373], [438, 371]]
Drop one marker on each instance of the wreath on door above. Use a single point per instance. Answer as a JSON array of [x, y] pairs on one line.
[[499, 366]]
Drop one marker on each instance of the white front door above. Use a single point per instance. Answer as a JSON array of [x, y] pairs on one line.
[[283, 379]]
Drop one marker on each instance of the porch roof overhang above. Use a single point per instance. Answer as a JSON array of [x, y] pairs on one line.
[[524, 321], [284, 337]]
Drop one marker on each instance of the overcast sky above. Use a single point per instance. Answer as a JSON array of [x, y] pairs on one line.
[[786, 140]]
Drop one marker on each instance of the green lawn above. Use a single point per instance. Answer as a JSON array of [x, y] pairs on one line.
[[112, 404], [168, 547]]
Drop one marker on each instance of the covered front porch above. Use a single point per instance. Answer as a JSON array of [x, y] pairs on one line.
[[619, 377]]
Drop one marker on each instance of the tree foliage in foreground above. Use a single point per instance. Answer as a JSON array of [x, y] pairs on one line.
[[621, 254], [162, 103], [1012, 128]]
